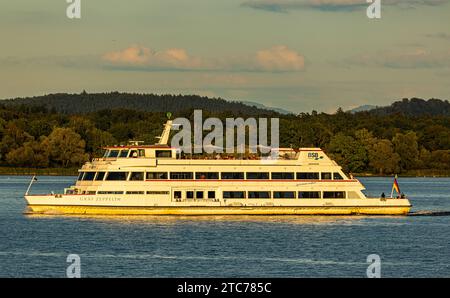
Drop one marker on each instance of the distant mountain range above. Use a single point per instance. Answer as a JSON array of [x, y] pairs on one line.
[[363, 108], [264, 107]]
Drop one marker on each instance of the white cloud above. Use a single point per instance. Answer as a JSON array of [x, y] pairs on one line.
[[140, 56], [278, 58]]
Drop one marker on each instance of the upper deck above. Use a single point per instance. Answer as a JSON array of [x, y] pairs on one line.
[[154, 154], [136, 156]]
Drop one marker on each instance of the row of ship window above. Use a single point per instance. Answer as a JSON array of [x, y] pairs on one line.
[[133, 153], [139, 176], [242, 194]]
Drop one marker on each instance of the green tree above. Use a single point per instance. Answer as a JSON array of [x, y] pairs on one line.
[[40, 127], [65, 147], [406, 146], [440, 159], [13, 138], [2, 127], [121, 132], [424, 159], [382, 157], [81, 125], [348, 152], [366, 138], [31, 154], [96, 139], [321, 134]]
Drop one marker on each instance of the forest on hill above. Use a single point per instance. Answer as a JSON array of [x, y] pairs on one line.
[[92, 102], [415, 107], [40, 136]]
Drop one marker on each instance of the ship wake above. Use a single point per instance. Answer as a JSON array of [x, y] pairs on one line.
[[429, 213]]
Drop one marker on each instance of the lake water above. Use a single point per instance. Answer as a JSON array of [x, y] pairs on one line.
[[220, 246]]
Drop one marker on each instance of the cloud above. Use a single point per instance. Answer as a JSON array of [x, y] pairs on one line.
[[332, 5], [278, 58], [139, 56], [411, 58]]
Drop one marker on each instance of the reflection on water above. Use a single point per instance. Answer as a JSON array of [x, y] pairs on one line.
[[172, 219], [226, 246]]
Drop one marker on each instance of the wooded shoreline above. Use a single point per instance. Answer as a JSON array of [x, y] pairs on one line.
[[39, 135]]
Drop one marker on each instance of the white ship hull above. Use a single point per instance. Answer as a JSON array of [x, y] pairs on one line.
[[120, 205]]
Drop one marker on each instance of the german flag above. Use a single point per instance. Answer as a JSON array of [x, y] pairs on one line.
[[395, 186]]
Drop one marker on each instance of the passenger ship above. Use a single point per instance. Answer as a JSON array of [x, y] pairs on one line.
[[159, 180]]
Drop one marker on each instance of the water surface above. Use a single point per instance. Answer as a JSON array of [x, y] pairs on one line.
[[223, 246]]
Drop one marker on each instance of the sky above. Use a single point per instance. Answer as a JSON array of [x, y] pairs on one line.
[[299, 55]]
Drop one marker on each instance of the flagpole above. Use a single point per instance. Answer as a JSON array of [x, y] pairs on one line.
[[393, 186], [29, 186], [392, 190]]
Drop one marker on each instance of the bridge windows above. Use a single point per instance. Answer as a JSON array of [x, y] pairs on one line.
[[133, 153], [337, 176], [100, 176], [282, 176], [80, 176], [308, 176], [88, 176], [124, 153], [113, 153]]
